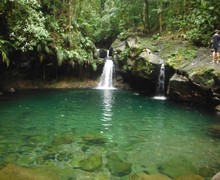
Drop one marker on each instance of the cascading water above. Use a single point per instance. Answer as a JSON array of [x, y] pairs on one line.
[[106, 80], [160, 84]]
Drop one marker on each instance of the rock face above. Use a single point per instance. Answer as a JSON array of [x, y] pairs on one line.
[[138, 66], [190, 74]]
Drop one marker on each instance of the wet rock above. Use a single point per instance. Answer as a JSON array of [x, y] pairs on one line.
[[12, 171], [143, 176], [179, 88], [63, 139], [176, 167], [190, 177], [94, 139], [117, 166], [91, 163]]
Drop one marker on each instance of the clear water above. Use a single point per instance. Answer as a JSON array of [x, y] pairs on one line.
[[143, 131]]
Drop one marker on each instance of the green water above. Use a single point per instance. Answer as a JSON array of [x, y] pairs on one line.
[[141, 131]]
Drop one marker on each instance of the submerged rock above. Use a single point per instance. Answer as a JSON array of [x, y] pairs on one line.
[[176, 167], [12, 171], [190, 177], [63, 139], [117, 166], [143, 176], [91, 163]]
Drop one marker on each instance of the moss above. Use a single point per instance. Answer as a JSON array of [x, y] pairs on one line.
[[181, 56]]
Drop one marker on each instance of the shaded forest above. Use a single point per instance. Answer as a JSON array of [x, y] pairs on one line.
[[64, 34]]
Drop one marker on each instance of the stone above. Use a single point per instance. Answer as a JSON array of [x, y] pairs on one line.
[[143, 176], [177, 166], [190, 177], [91, 163], [63, 139], [117, 166], [12, 171]]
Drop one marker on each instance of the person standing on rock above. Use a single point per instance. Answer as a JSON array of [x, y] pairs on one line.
[[216, 48]]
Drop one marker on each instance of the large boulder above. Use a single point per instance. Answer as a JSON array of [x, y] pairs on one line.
[[91, 163], [117, 166], [143, 176], [138, 66], [12, 171], [177, 166]]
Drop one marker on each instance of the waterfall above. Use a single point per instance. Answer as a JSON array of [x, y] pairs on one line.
[[106, 80], [160, 83]]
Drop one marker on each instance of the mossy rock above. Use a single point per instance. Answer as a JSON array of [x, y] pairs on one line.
[[91, 163], [177, 166], [12, 171], [63, 139], [117, 166], [143, 176], [190, 177]]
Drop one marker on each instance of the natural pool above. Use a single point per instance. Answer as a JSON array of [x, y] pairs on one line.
[[105, 134]]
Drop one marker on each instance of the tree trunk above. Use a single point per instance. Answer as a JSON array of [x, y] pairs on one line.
[[146, 21], [70, 14], [160, 18]]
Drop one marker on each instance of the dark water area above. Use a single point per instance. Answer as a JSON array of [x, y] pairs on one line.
[[62, 128]]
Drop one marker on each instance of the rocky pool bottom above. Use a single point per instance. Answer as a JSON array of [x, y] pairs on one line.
[[98, 134]]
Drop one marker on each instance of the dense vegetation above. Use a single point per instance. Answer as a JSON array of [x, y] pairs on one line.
[[69, 31]]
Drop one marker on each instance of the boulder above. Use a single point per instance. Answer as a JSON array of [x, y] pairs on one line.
[[12, 171], [91, 163], [117, 166], [143, 176], [190, 177], [177, 166], [179, 88], [66, 138]]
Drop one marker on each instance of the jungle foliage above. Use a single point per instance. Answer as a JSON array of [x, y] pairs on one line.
[[70, 30]]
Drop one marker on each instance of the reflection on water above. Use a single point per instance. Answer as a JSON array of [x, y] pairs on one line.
[[107, 112]]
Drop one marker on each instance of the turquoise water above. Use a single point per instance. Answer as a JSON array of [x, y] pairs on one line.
[[40, 128]]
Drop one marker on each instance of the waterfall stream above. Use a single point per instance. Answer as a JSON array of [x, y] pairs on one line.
[[106, 79], [160, 84]]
